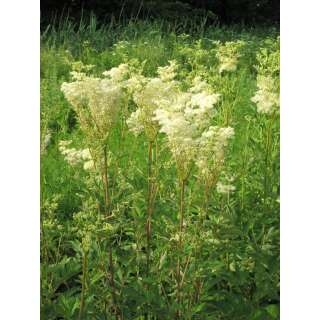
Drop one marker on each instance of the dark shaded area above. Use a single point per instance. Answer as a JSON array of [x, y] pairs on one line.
[[248, 12]]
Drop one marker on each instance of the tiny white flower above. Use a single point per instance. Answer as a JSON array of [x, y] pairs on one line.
[[88, 165], [225, 188]]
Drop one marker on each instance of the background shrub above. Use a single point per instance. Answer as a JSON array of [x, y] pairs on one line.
[[225, 11]]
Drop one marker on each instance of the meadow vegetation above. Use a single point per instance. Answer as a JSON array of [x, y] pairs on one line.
[[159, 171]]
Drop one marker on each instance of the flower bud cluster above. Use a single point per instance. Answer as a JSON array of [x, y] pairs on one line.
[[228, 55], [267, 97], [225, 188], [74, 156], [168, 73]]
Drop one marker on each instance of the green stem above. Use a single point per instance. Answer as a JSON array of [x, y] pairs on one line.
[[149, 207], [84, 279], [45, 243], [108, 212], [244, 167], [112, 284], [179, 280], [106, 182], [268, 156], [203, 215]]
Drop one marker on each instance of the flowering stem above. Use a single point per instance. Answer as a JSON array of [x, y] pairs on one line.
[[108, 212], [203, 216], [119, 156], [179, 280], [106, 183], [268, 156], [181, 210], [112, 283], [156, 153], [84, 279], [206, 203], [149, 210], [150, 202], [244, 167], [45, 243]]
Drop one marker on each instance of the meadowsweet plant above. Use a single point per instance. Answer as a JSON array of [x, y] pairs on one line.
[[209, 160], [98, 103], [268, 58], [267, 96], [212, 148], [185, 119], [267, 100], [74, 156], [228, 55], [159, 172], [146, 94]]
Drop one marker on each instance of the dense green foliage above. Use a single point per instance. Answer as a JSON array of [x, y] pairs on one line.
[[225, 11], [233, 261]]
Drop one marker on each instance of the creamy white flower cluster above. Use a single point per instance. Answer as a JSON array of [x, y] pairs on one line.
[[75, 157], [212, 146], [267, 96], [168, 73], [97, 101], [228, 55], [186, 122], [147, 93], [181, 115], [185, 116], [117, 74], [181, 132]]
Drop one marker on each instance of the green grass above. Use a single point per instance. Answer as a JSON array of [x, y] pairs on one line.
[[242, 263]]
